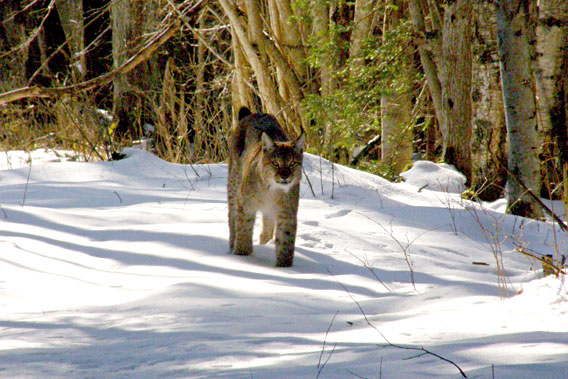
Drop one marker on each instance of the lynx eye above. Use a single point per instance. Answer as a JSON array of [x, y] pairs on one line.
[[275, 164]]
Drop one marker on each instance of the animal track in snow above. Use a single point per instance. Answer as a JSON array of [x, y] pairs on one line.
[[311, 223], [340, 213]]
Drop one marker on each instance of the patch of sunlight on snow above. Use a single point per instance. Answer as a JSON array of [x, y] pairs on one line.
[[9, 344], [519, 353]]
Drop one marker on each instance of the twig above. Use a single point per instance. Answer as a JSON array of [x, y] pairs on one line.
[[332, 179], [320, 365], [117, 195], [27, 181], [405, 249], [367, 265], [355, 374], [142, 55], [422, 349], [557, 268], [494, 240], [309, 181], [532, 194], [3, 211]]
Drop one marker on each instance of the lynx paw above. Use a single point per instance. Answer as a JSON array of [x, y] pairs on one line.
[[242, 252], [285, 260], [265, 238]]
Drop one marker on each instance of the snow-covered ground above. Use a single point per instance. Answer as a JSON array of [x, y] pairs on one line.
[[120, 269]]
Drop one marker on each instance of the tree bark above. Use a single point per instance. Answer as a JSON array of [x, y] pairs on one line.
[[131, 20], [269, 96], [396, 109], [362, 26], [489, 145], [552, 91], [12, 64], [320, 15], [427, 60], [71, 15], [456, 85], [520, 108]]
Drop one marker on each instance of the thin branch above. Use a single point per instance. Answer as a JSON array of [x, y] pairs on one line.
[[142, 55], [27, 181], [367, 265], [528, 191], [320, 365], [36, 31], [422, 349], [4, 212]]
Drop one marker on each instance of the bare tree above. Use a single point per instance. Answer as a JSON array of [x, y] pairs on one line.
[[520, 108]]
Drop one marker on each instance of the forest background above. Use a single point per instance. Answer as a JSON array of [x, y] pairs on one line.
[[374, 84]]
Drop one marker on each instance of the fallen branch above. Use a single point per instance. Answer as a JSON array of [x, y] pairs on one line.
[[528, 191], [546, 261], [421, 349]]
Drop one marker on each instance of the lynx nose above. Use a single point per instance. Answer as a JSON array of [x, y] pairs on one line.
[[284, 180]]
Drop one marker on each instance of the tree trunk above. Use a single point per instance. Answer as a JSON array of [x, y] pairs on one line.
[[71, 15], [268, 94], [362, 27], [289, 41], [489, 145], [520, 109], [320, 15], [551, 73], [456, 85], [425, 49], [396, 109], [12, 35], [131, 21]]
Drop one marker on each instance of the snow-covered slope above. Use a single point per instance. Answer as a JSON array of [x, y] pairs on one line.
[[120, 269]]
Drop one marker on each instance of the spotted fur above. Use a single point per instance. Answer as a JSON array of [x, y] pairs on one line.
[[265, 169]]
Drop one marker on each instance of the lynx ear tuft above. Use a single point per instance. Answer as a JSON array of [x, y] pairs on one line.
[[299, 144], [267, 142]]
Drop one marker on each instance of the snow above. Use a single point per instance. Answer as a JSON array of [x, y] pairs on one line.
[[120, 269], [435, 176]]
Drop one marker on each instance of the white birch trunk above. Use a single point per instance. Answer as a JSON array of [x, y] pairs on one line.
[[520, 109]]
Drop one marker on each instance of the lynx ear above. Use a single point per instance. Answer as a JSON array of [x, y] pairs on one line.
[[267, 142], [299, 144], [244, 112]]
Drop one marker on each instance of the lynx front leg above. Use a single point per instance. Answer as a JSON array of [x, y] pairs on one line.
[[285, 240], [232, 216], [267, 229], [243, 231]]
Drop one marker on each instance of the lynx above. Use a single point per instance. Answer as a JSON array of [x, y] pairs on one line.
[[265, 169]]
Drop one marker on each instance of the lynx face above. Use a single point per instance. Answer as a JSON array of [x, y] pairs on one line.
[[282, 162]]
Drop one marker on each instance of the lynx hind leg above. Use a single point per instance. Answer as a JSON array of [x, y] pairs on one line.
[[267, 232]]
